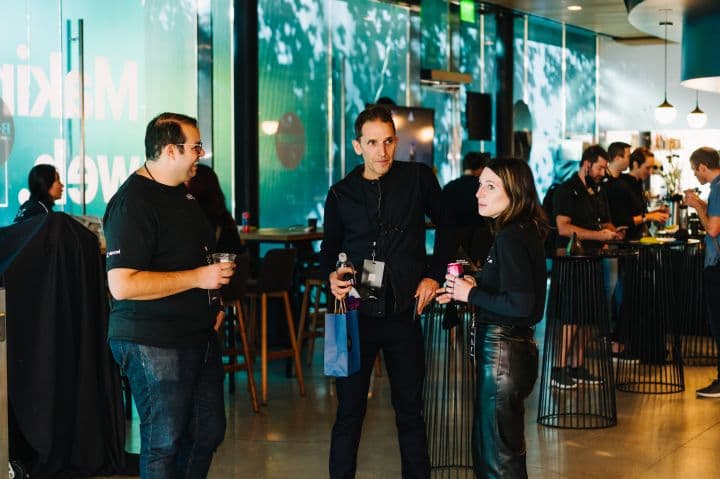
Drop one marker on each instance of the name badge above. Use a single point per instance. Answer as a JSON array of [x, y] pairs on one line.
[[372, 273]]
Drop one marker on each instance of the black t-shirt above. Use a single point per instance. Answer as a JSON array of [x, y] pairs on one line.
[[153, 227], [587, 207], [31, 208], [511, 286], [625, 197]]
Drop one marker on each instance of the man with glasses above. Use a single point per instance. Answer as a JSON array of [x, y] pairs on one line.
[[377, 216], [161, 323], [705, 164]]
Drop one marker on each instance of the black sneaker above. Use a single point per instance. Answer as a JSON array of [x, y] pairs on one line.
[[711, 391], [582, 375], [560, 378]]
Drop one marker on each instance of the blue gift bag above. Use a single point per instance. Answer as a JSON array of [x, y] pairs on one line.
[[342, 342]]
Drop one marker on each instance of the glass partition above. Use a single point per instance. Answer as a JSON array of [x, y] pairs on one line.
[[140, 59]]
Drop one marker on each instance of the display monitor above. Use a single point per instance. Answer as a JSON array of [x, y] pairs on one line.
[[415, 128]]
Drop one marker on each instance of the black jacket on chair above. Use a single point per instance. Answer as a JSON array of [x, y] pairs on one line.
[[391, 212], [63, 386]]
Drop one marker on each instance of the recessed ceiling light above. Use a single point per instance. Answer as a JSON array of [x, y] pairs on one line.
[[574, 8]]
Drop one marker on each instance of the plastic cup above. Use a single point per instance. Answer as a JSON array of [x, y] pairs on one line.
[[223, 257]]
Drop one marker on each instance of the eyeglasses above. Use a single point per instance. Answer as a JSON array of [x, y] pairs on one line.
[[197, 148]]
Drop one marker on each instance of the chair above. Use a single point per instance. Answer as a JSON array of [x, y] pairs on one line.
[[233, 324], [276, 279], [313, 291]]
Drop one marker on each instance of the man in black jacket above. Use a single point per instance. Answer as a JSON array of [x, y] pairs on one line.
[[377, 216], [472, 231]]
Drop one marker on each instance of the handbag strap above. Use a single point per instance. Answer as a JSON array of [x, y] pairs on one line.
[[340, 307]]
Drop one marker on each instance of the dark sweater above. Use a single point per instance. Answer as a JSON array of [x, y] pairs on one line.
[[511, 286]]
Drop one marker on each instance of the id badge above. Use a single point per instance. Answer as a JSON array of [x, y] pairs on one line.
[[372, 274]]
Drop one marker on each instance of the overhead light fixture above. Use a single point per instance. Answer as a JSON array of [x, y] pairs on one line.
[[665, 113], [700, 37], [574, 8], [697, 118]]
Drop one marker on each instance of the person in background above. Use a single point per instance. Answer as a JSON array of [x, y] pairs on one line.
[[705, 164], [626, 196], [376, 215], [161, 322], [205, 187], [45, 188], [472, 231], [581, 207], [619, 154], [509, 298]]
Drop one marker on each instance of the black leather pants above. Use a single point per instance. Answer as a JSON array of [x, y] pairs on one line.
[[507, 364]]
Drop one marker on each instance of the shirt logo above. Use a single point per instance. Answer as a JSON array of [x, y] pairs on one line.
[[112, 253], [189, 196]]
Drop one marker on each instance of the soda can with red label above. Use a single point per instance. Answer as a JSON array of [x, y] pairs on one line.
[[455, 269]]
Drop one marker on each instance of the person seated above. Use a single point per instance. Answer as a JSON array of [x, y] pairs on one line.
[[45, 187]]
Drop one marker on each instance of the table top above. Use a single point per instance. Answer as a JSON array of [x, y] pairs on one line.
[[280, 235], [654, 242]]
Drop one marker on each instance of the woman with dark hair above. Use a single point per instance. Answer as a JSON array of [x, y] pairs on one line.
[[205, 187], [45, 187], [509, 298]]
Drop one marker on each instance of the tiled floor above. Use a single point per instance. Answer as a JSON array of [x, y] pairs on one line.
[[657, 436]]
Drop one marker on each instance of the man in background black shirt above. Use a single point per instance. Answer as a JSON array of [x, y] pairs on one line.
[[626, 196], [581, 207], [472, 231]]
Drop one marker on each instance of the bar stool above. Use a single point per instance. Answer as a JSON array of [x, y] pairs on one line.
[[276, 279], [653, 363], [577, 329], [697, 343], [314, 288], [234, 326], [449, 393]]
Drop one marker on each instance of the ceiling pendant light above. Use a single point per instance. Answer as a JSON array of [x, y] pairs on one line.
[[697, 118], [665, 113]]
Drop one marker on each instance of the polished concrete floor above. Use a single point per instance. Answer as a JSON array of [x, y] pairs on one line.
[[657, 436]]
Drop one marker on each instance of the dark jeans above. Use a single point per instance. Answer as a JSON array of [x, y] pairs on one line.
[[507, 364], [711, 285], [179, 397], [400, 339]]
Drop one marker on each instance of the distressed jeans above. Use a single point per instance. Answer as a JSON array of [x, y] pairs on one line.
[[179, 397]]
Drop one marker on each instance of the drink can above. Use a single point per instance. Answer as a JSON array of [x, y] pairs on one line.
[[455, 269], [245, 221]]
